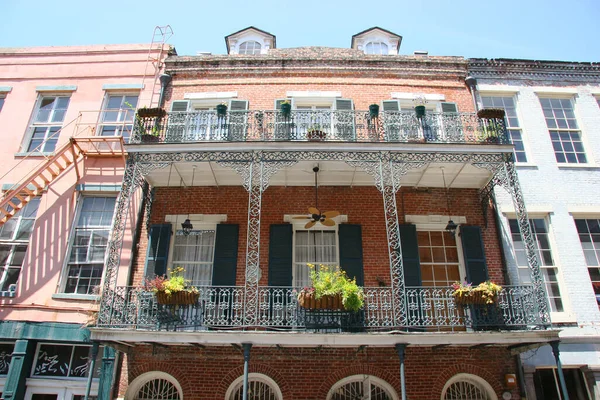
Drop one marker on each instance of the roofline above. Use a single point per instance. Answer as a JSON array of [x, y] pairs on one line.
[[376, 27], [256, 29]]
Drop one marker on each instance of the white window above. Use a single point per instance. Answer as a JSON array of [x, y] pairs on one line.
[[260, 387], [314, 246], [117, 115], [48, 118], [249, 47], [544, 251], [512, 122], [376, 48], [154, 385], [364, 387], [88, 246], [468, 387], [14, 239], [195, 253], [564, 131], [438, 254], [589, 236]]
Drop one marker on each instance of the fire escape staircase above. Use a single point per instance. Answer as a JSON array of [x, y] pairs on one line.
[[50, 169]]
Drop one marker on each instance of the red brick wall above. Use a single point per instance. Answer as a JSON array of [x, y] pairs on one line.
[[362, 204], [310, 372]]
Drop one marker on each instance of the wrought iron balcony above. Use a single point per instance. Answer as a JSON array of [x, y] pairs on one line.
[[319, 125], [428, 310]]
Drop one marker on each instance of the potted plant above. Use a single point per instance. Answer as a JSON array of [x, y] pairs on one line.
[[489, 113], [285, 107], [153, 112], [420, 102], [374, 110], [172, 290], [484, 293], [314, 133], [221, 109], [492, 129], [331, 289]]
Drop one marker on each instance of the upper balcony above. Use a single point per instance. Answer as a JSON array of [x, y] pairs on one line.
[[319, 126]]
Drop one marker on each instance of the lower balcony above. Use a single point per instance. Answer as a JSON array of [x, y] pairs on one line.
[[429, 309]]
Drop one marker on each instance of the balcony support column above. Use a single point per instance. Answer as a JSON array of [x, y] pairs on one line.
[[246, 347], [561, 376], [401, 349], [505, 175], [255, 179]]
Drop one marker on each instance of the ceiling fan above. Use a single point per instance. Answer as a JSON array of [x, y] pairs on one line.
[[315, 216]]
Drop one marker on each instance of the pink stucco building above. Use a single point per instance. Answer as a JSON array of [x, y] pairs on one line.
[[65, 113]]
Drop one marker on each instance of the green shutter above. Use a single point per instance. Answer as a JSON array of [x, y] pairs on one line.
[[280, 255], [391, 105], [238, 105], [226, 254], [157, 255], [449, 108], [344, 104], [237, 122], [474, 254], [411, 262], [351, 254], [180, 105], [343, 123]]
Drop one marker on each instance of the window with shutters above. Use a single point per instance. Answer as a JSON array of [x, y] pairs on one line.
[[48, 118], [14, 240], [88, 245], [315, 247], [438, 254], [589, 236], [117, 115], [541, 237], [564, 131], [507, 103], [332, 118], [195, 253]]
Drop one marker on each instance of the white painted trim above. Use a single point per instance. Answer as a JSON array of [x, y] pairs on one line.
[[472, 379], [210, 95], [253, 376], [309, 93], [498, 88], [370, 379], [340, 219], [433, 222], [64, 389], [542, 90], [211, 219], [141, 380], [580, 210], [412, 96], [536, 209]]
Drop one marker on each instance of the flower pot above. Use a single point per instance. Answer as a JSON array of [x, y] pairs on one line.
[[420, 111], [177, 298], [221, 110], [151, 112], [374, 110], [315, 135], [308, 301], [286, 108], [489, 113], [475, 297]]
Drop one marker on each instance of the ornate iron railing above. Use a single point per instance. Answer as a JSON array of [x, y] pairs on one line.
[[428, 309], [319, 125]]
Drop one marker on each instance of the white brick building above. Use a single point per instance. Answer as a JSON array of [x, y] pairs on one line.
[[553, 110]]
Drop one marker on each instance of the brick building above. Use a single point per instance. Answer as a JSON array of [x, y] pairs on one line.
[[64, 115], [379, 165], [554, 119]]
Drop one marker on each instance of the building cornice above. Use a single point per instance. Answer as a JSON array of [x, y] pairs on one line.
[[534, 69]]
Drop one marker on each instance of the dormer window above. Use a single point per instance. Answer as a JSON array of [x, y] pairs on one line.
[[250, 47], [376, 48]]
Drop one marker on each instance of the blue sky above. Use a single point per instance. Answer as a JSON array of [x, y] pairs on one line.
[[531, 29]]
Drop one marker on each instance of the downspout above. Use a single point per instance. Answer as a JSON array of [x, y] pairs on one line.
[[400, 348], [164, 81], [246, 347], [91, 370], [472, 85], [561, 376]]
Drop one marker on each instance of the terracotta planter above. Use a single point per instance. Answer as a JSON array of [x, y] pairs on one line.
[[315, 135], [473, 298], [489, 113], [308, 300], [151, 112], [177, 298]]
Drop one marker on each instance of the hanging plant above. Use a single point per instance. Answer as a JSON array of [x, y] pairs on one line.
[[374, 110], [489, 113], [222, 109], [285, 107]]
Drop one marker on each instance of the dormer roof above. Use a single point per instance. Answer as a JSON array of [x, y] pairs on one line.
[[264, 38], [377, 34]]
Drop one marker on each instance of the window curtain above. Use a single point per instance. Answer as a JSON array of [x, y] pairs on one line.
[[195, 253]]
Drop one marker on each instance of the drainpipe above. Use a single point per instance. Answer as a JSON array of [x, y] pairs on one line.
[[400, 348], [246, 347], [561, 376], [164, 81], [472, 85], [91, 371]]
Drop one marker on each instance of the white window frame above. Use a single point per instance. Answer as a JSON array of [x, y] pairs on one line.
[[121, 123], [556, 317], [379, 43], [65, 389], [473, 380], [253, 376], [576, 216], [137, 383], [33, 124], [254, 43], [524, 139], [65, 270], [13, 242], [367, 380]]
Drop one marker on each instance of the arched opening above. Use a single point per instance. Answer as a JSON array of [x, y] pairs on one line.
[[364, 387], [260, 387], [154, 385], [468, 387]]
